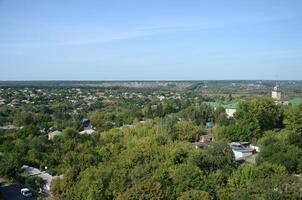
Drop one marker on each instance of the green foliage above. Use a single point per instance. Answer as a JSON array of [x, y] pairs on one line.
[[194, 195], [143, 190], [34, 182], [295, 139], [293, 122], [243, 130], [102, 121], [93, 184], [10, 165], [278, 152], [280, 148], [185, 177], [24, 118], [293, 119], [198, 114], [187, 131], [161, 109], [252, 119], [266, 181], [154, 158], [217, 156], [263, 110], [220, 117]]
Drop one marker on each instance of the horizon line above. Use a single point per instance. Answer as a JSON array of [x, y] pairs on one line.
[[146, 80]]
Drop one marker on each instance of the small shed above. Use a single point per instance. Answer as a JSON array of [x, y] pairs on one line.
[[240, 153], [243, 150]]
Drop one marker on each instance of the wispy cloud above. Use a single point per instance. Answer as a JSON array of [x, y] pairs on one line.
[[99, 37], [94, 35]]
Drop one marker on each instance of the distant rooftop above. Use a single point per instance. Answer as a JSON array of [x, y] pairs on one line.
[[295, 102], [234, 105]]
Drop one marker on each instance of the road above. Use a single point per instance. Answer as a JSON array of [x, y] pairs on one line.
[[12, 192]]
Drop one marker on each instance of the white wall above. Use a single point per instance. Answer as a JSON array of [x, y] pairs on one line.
[[230, 112], [276, 95]]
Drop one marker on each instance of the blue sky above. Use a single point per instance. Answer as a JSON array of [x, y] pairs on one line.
[[150, 39]]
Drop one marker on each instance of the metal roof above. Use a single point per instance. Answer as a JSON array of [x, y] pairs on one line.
[[232, 106], [295, 102]]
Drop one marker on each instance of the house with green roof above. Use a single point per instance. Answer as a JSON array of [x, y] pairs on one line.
[[230, 109], [234, 105]]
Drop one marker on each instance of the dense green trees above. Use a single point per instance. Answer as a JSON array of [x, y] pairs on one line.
[[187, 131], [293, 122], [194, 195], [25, 118], [34, 182], [242, 130], [252, 119], [265, 181], [263, 110], [198, 114], [143, 190], [137, 164], [10, 165], [161, 109], [217, 156], [293, 119], [276, 149], [154, 158]]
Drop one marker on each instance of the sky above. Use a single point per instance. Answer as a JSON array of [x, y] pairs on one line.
[[150, 39]]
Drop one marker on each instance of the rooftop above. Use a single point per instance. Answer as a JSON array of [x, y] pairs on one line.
[[31, 171], [295, 102], [234, 105]]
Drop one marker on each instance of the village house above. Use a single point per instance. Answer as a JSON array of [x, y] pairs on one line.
[[31, 171], [230, 109]]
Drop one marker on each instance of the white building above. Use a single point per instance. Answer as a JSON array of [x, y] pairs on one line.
[[243, 150], [276, 93], [230, 109]]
